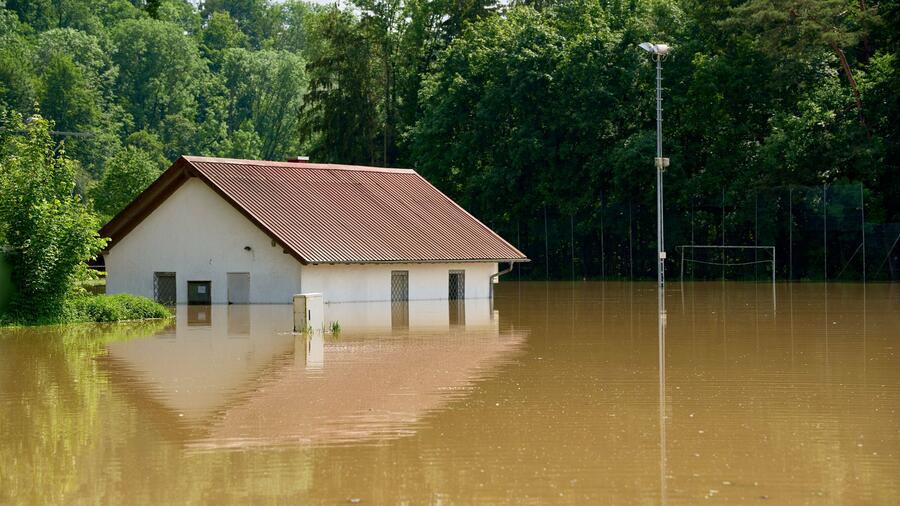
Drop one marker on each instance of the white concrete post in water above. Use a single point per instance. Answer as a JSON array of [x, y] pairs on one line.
[[309, 312]]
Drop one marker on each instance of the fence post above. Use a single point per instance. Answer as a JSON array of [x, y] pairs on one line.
[[825, 225], [791, 233], [862, 209]]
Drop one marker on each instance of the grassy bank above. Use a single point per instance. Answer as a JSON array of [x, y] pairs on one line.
[[98, 309], [114, 308]]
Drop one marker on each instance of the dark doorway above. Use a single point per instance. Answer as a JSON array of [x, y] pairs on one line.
[[164, 288], [457, 285], [199, 293]]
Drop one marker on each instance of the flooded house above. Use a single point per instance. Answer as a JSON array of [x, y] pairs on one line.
[[215, 231]]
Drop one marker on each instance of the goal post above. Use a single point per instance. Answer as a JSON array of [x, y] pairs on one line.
[[770, 257]]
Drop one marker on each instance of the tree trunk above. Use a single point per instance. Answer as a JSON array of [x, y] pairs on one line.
[[843, 58]]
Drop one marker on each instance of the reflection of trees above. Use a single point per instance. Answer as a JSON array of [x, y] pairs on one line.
[[52, 426], [69, 436]]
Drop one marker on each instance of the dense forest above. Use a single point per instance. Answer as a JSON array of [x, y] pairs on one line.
[[538, 116]]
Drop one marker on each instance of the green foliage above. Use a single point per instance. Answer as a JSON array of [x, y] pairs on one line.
[[127, 173], [48, 231], [221, 33], [266, 92], [114, 308], [339, 116], [17, 80], [160, 71], [513, 108]]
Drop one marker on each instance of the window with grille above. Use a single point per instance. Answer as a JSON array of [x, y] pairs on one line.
[[399, 286], [457, 285], [164, 288]]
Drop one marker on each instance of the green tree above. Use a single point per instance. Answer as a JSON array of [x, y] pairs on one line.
[[126, 174], [340, 120], [149, 143], [221, 33], [266, 89], [256, 18], [798, 28], [66, 97], [45, 14], [49, 231], [77, 78], [294, 33], [17, 80], [164, 85]]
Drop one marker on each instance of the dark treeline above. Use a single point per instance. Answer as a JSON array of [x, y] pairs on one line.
[[538, 116]]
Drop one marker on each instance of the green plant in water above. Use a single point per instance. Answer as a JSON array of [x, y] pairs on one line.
[[335, 327]]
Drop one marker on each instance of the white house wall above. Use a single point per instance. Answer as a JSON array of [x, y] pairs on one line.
[[372, 282], [200, 237]]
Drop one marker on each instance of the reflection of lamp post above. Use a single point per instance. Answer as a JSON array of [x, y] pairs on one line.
[[659, 52], [663, 460]]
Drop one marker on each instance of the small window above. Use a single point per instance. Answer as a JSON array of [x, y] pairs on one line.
[[399, 286], [457, 285], [199, 293], [164, 288]]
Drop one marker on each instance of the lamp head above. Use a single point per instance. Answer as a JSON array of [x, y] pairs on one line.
[[657, 49]]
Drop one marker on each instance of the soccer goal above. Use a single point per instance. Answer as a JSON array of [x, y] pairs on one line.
[[728, 257]]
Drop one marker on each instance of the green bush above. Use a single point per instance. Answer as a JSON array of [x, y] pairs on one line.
[[113, 308]]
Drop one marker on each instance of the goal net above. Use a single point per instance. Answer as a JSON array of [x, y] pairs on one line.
[[739, 263]]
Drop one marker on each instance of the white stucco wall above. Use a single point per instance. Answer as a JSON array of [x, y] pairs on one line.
[[201, 237], [372, 282]]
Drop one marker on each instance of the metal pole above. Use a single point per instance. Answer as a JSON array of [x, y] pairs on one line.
[[825, 226], [546, 247], [602, 245], [791, 233], [572, 241], [723, 235], [773, 280], [660, 251], [862, 209]]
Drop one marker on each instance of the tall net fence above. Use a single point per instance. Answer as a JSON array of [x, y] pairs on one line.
[[818, 233]]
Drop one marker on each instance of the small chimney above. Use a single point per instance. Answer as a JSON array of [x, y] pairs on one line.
[[298, 159]]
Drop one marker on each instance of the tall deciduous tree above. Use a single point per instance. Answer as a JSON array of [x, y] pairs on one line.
[[266, 90], [49, 231], [126, 174], [798, 27], [340, 121]]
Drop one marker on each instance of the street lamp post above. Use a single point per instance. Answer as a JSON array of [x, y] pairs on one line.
[[659, 52]]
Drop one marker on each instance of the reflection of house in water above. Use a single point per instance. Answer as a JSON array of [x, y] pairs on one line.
[[241, 380]]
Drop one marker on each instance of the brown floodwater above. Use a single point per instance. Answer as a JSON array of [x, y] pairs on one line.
[[550, 394]]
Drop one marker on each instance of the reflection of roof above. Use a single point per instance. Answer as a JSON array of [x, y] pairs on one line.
[[324, 213], [364, 391], [350, 390]]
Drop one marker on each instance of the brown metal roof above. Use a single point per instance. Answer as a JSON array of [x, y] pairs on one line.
[[325, 213]]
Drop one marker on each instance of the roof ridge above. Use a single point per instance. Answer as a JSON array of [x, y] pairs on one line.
[[296, 165]]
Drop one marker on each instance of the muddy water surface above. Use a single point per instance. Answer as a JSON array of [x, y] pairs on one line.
[[552, 394]]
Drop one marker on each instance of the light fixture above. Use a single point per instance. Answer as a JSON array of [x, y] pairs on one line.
[[659, 52], [657, 49]]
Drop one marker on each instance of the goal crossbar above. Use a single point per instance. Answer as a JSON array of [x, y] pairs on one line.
[[770, 249]]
